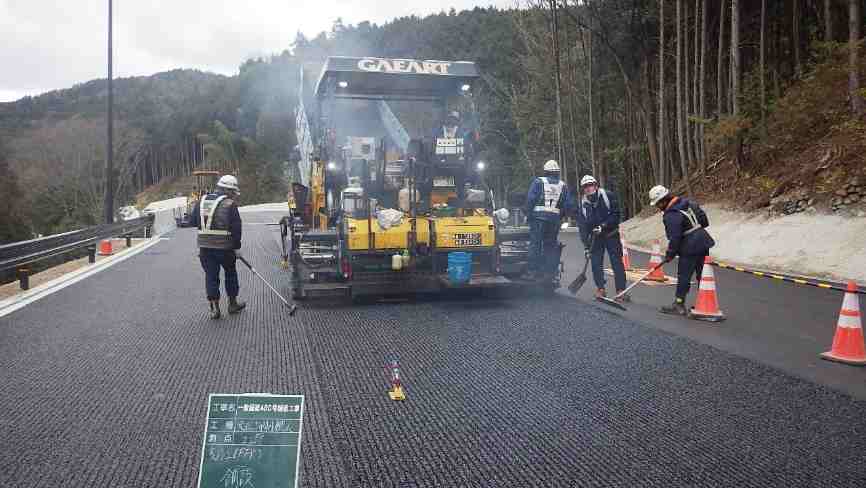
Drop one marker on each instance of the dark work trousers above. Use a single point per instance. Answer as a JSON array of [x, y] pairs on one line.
[[613, 246], [211, 261], [543, 246], [687, 267]]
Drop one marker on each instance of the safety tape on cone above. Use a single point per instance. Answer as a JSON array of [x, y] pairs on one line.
[[707, 284], [849, 321], [849, 316]]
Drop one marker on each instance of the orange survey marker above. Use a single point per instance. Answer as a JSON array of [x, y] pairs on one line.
[[707, 306], [848, 344], [626, 260], [105, 248], [658, 273]]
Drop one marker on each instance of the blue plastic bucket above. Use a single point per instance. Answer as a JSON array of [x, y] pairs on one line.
[[459, 267]]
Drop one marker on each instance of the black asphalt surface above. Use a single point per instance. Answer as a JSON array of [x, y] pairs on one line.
[[780, 324], [105, 383]]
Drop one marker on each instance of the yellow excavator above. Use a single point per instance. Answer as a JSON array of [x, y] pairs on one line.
[[392, 198]]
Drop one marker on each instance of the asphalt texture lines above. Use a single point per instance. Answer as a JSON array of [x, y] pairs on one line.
[[105, 384]]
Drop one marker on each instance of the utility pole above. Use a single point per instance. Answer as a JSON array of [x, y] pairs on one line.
[[560, 156], [109, 151]]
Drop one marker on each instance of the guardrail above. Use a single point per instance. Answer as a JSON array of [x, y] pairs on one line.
[[20, 256]]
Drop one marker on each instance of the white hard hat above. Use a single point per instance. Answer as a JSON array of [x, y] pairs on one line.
[[551, 166], [229, 182], [588, 180], [502, 214], [656, 193]]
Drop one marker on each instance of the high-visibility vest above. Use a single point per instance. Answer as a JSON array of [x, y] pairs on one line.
[[214, 232], [689, 213], [552, 192], [585, 201]]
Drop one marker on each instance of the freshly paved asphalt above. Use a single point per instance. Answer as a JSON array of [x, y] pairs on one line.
[[105, 383], [780, 324]]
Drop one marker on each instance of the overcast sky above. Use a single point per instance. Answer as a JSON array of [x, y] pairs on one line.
[[51, 44]]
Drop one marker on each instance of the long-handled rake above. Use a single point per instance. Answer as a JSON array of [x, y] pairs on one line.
[[293, 308], [612, 301]]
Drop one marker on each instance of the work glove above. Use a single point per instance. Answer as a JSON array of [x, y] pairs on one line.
[[238, 254], [669, 257], [586, 253], [597, 230]]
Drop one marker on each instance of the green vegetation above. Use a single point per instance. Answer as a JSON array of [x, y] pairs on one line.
[[631, 92]]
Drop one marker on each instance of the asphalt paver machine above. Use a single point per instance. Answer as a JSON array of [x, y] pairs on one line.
[[392, 197]]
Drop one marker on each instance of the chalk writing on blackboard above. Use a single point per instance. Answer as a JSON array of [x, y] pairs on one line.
[[266, 425], [238, 477], [229, 453]]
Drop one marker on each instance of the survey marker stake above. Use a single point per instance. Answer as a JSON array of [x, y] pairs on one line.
[[396, 391]]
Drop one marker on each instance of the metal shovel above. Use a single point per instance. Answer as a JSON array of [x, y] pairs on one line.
[[581, 278], [293, 307], [612, 301]]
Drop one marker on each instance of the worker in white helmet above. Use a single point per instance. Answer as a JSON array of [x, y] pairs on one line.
[[685, 226], [451, 127], [219, 242], [598, 218], [545, 206]]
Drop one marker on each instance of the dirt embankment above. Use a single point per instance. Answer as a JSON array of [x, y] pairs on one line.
[[810, 244]]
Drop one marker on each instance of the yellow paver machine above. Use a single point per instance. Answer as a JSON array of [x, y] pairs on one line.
[[392, 197]]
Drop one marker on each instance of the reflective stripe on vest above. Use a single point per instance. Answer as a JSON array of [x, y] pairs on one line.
[[690, 215], [603, 197], [552, 192], [207, 209]]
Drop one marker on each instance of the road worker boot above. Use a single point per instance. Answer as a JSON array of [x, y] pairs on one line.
[[676, 308], [600, 293], [235, 306], [215, 309]]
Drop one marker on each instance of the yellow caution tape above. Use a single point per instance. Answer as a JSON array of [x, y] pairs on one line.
[[798, 281]]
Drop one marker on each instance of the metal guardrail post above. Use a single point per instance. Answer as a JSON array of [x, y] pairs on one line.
[[128, 240], [24, 278], [91, 254]]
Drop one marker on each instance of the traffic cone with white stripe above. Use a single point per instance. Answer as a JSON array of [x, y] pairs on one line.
[[626, 260], [707, 306], [655, 260], [848, 344]]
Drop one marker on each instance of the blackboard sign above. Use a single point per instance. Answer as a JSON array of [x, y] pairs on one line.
[[252, 440]]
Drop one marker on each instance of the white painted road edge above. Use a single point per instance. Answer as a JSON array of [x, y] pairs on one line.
[[21, 300]]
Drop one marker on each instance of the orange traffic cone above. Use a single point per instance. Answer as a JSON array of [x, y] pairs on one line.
[[105, 248], [707, 305], [626, 260], [848, 341], [655, 260]]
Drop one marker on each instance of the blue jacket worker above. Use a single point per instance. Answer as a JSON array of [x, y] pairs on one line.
[[685, 226], [219, 239], [598, 218], [545, 205]]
